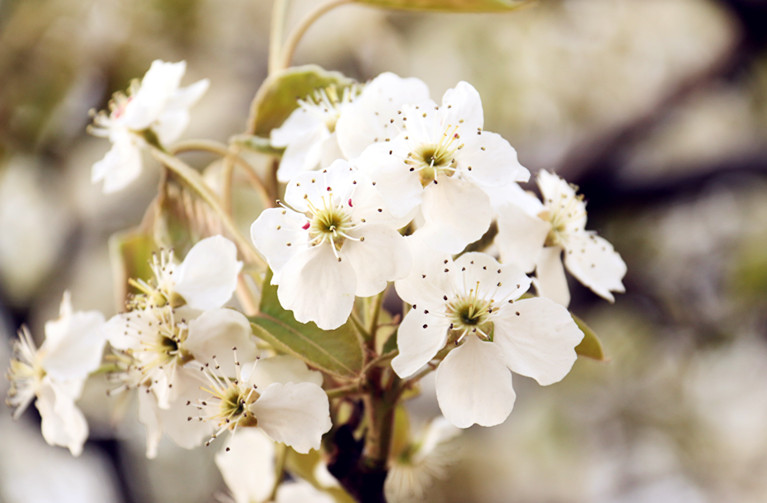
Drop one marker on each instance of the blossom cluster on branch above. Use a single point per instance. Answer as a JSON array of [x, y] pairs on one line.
[[396, 241]]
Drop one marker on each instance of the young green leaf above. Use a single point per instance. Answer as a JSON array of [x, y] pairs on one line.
[[130, 255], [590, 346], [279, 94], [336, 352]]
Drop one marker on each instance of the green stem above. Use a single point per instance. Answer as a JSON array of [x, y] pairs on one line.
[[194, 181], [360, 328], [342, 391], [279, 16], [380, 404], [373, 320], [380, 359], [298, 32], [221, 149]]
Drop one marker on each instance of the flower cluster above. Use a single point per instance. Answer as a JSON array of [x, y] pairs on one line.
[[54, 374], [154, 110], [388, 195], [184, 350], [412, 185]]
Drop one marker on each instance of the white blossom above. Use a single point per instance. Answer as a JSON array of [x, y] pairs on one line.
[[206, 279], [163, 348], [339, 122], [532, 233], [285, 400], [422, 461], [443, 162], [472, 304], [55, 373], [155, 107], [309, 132], [247, 467], [331, 241], [373, 117], [175, 321]]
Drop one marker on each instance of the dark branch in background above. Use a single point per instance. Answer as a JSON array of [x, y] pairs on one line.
[[594, 165]]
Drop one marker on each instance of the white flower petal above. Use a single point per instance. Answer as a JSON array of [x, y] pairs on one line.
[[148, 415], [456, 213], [596, 264], [496, 282], [383, 256], [121, 165], [278, 235], [62, 422], [207, 277], [171, 125], [520, 237], [318, 287], [419, 337], [303, 154], [215, 333], [116, 333], [185, 432], [300, 491], [299, 124], [160, 82], [283, 369], [373, 115], [550, 280], [488, 160], [462, 106], [474, 385], [428, 280], [309, 189], [399, 188], [247, 466], [187, 96], [296, 414], [538, 339], [73, 345]]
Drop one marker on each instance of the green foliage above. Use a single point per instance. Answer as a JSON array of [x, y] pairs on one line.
[[279, 94], [131, 252], [450, 5], [590, 346], [336, 352]]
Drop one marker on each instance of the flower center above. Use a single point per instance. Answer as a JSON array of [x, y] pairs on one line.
[[470, 314], [160, 290], [25, 373], [161, 339], [229, 402], [565, 216], [330, 224], [434, 159], [327, 103]]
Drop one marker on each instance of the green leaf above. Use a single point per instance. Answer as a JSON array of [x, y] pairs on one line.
[[336, 352], [130, 253], [451, 5], [279, 94], [590, 346]]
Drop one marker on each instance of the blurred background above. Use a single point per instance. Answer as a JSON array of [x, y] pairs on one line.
[[656, 109]]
